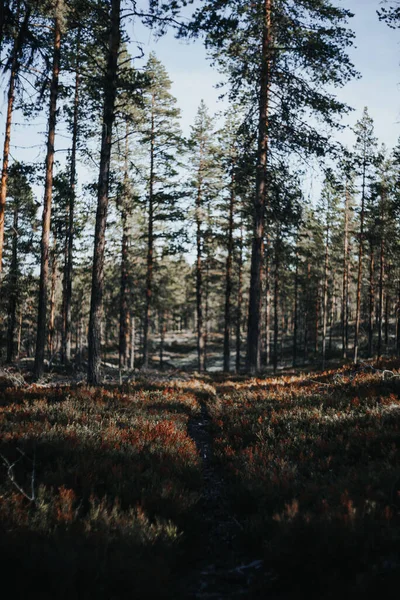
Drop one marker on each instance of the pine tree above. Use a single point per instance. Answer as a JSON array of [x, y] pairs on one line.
[[261, 54], [365, 150], [162, 137]]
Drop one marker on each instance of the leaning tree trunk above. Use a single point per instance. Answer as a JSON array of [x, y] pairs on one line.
[[13, 295], [69, 240], [228, 288], [10, 104], [254, 319], [45, 249], [110, 90]]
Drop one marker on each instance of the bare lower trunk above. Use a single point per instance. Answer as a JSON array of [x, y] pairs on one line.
[[345, 287], [325, 298], [150, 247], [132, 350], [52, 300], [254, 319], [201, 343], [228, 284], [360, 269], [110, 89], [69, 240], [380, 301], [371, 302], [239, 301], [44, 264], [296, 310], [276, 303], [123, 308], [13, 294]]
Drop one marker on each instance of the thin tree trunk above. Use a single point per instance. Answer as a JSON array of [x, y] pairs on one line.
[[199, 279], [380, 301], [254, 319], [7, 136], [296, 309], [228, 288], [306, 315], [239, 301], [162, 329], [19, 332], [13, 295], [124, 309], [317, 316], [44, 264], [325, 295], [360, 269], [52, 315], [110, 89], [276, 301], [150, 247], [345, 288], [69, 240], [371, 302], [132, 351], [387, 303]]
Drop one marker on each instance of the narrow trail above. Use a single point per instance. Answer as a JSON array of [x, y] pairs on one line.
[[223, 570]]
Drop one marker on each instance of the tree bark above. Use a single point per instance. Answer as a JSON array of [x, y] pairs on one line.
[[69, 240], [52, 331], [44, 264], [13, 296], [239, 301], [201, 342], [276, 302], [124, 309], [254, 318], [228, 288], [371, 301], [360, 260], [110, 90], [150, 247], [296, 309], [325, 295], [345, 288]]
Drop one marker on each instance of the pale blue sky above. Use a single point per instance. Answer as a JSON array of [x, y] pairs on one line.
[[376, 55]]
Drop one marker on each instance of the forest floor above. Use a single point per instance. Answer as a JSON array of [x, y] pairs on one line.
[[173, 485]]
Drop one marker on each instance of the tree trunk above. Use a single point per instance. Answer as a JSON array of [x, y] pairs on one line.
[[276, 302], [239, 301], [162, 329], [44, 264], [52, 300], [150, 247], [132, 350], [345, 288], [124, 309], [228, 288], [254, 319], [380, 301], [360, 261], [371, 302], [296, 309], [69, 240], [199, 281], [13, 295], [110, 89], [325, 296]]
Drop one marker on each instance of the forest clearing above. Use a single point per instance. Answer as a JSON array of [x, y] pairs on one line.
[[182, 486]]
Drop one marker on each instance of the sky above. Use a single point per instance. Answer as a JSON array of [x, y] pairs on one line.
[[376, 55]]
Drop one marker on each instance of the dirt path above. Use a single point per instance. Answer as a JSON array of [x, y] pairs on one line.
[[223, 571]]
